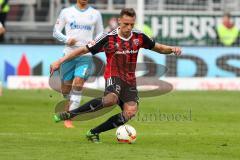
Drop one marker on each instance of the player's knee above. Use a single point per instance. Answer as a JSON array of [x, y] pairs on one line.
[[78, 83], [110, 100], [130, 111], [129, 114]]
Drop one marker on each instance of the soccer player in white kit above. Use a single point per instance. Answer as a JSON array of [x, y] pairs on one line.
[[82, 24]]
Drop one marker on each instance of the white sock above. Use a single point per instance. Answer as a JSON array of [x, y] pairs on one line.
[[75, 99]]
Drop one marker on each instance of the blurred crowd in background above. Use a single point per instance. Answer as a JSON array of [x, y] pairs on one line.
[[176, 22]]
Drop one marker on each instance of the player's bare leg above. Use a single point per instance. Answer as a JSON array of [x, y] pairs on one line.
[[130, 109]]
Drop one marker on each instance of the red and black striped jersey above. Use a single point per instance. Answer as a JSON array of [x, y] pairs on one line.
[[121, 53]]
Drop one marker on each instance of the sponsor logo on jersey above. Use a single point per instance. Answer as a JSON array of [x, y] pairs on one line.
[[127, 52], [74, 25]]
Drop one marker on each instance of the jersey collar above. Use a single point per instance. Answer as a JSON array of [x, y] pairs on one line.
[[82, 10], [125, 39]]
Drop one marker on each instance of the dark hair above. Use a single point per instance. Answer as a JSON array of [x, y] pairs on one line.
[[128, 11]]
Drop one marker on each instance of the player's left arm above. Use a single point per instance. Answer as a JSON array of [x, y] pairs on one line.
[[165, 49], [149, 43]]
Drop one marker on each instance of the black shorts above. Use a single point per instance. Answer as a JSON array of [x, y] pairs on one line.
[[123, 90]]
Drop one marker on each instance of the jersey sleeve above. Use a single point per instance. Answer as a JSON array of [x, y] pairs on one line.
[[148, 43], [98, 26], [98, 44], [58, 27]]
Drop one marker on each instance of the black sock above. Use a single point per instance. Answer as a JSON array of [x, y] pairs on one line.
[[91, 106], [112, 122], [121, 104]]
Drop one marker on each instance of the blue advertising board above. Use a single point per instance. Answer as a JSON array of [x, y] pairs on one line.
[[195, 61]]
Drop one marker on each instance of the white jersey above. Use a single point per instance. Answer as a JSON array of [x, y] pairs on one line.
[[82, 25]]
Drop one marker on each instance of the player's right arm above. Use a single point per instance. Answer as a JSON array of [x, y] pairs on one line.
[[57, 31], [58, 27]]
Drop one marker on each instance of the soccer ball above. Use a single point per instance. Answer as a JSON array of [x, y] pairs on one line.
[[126, 134]]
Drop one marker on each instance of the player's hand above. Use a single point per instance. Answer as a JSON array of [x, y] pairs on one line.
[[177, 51], [91, 43], [54, 66], [71, 42], [2, 30]]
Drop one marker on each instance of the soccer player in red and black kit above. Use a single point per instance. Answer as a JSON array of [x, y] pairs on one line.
[[121, 47]]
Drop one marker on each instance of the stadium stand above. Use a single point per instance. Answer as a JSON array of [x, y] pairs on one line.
[[31, 21]]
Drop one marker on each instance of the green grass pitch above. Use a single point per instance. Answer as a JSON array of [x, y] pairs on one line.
[[179, 125]]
